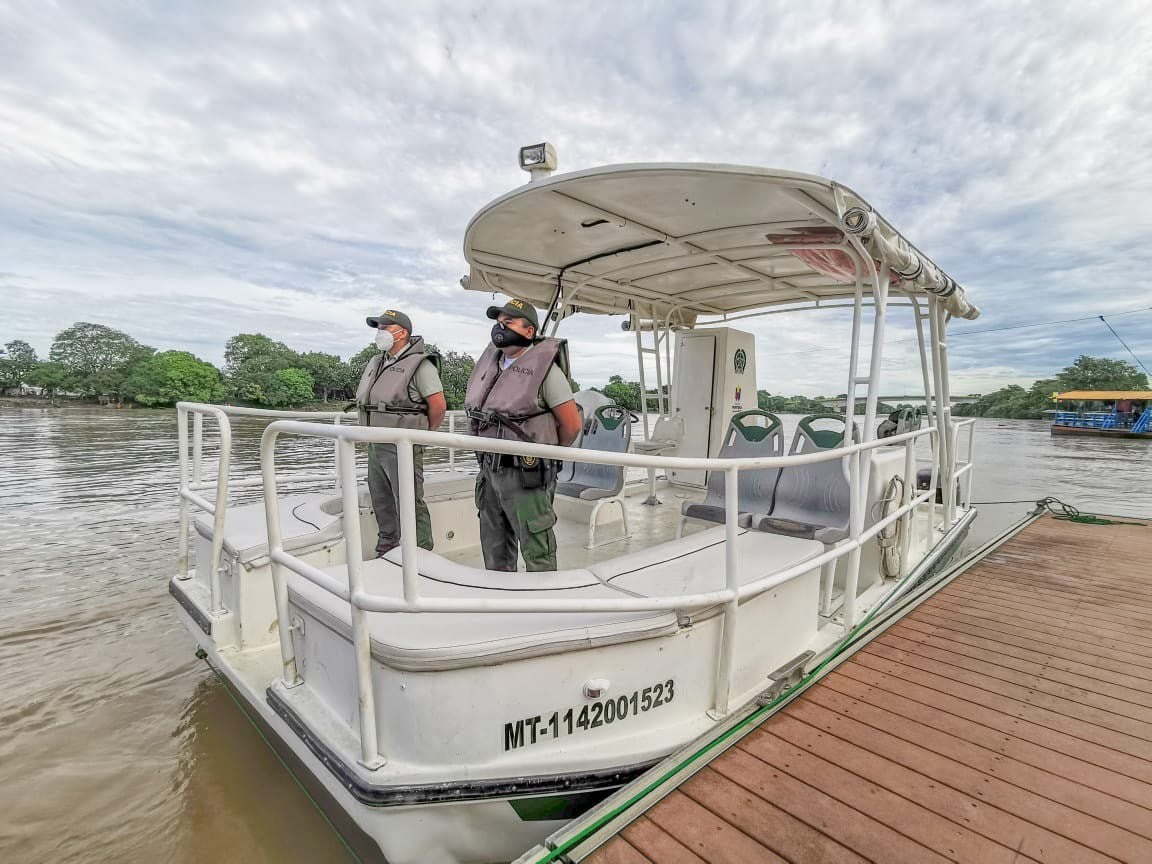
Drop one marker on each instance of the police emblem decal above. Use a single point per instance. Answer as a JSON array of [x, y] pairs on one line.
[[740, 361], [529, 461]]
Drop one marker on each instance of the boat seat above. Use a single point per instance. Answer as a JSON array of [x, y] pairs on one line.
[[667, 434], [438, 641], [587, 401], [810, 438], [755, 489], [608, 430], [305, 520], [898, 422], [309, 519], [695, 563], [812, 502]]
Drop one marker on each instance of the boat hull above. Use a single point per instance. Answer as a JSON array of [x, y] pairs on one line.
[[497, 825], [1100, 433]]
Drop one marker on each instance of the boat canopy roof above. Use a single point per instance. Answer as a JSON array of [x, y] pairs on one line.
[[1102, 395], [673, 241]]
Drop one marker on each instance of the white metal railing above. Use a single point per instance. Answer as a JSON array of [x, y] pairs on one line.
[[193, 482], [362, 601], [964, 469]]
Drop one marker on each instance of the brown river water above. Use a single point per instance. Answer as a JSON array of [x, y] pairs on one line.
[[117, 744]]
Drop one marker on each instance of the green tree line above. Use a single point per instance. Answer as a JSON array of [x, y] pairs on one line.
[[94, 361], [1085, 373]]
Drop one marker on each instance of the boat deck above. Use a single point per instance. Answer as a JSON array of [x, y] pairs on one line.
[[1006, 718]]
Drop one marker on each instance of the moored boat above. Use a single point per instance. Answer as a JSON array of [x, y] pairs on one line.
[[1104, 413], [447, 713]]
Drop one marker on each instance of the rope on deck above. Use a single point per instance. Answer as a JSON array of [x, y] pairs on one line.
[[1062, 510]]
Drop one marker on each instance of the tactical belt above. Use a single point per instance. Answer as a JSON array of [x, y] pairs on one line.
[[523, 463], [483, 419]]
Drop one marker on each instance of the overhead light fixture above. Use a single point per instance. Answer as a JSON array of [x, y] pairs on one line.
[[539, 160]]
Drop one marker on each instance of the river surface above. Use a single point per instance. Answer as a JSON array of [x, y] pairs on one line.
[[116, 744]]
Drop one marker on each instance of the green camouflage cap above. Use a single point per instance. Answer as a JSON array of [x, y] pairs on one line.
[[391, 316], [516, 308]]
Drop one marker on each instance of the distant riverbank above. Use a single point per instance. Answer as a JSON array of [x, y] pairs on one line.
[[86, 403]]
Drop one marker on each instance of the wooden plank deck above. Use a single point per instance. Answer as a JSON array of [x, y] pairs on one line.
[[1008, 718]]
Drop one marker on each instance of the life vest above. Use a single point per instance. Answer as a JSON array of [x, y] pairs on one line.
[[505, 403], [382, 395]]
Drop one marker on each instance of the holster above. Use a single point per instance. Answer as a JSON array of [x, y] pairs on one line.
[[535, 473]]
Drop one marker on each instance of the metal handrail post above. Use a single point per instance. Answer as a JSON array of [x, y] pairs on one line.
[[946, 398], [182, 461], [640, 368], [909, 486], [197, 447], [336, 458], [661, 405], [723, 687], [289, 675], [926, 375], [853, 358], [855, 527], [223, 468], [406, 468], [451, 450], [361, 645], [971, 465], [943, 423], [933, 482]]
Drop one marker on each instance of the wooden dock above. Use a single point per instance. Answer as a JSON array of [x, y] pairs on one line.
[[1007, 718]]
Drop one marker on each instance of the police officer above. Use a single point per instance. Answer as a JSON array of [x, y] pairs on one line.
[[519, 390], [400, 388]]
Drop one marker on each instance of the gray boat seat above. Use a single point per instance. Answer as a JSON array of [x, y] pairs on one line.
[[820, 432], [901, 420], [751, 434], [667, 434], [811, 502], [608, 430], [586, 401]]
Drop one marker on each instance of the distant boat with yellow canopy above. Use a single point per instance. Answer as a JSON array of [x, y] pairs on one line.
[[1104, 413]]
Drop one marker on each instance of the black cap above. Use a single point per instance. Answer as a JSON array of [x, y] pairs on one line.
[[391, 316], [516, 308]]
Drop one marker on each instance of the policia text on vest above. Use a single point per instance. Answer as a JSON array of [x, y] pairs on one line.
[[400, 388], [519, 390]]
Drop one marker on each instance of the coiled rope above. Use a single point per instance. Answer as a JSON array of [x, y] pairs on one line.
[[1061, 510]]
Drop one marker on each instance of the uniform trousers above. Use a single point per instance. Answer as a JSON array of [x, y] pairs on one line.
[[384, 487], [512, 516]]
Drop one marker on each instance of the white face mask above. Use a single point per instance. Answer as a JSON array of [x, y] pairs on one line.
[[384, 340]]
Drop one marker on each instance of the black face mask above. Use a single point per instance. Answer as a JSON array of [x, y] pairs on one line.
[[504, 337]]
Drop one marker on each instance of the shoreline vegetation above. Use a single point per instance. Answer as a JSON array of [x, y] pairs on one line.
[[95, 364]]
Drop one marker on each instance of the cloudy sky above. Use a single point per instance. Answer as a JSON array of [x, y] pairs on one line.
[[188, 171]]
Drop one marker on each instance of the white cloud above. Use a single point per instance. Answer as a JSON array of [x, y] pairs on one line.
[[190, 172]]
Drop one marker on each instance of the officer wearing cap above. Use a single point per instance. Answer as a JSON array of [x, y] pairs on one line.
[[519, 390], [400, 388]]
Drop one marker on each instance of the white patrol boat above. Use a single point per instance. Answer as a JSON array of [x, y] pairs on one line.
[[445, 713]]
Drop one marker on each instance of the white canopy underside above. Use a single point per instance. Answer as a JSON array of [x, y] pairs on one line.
[[678, 241]]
